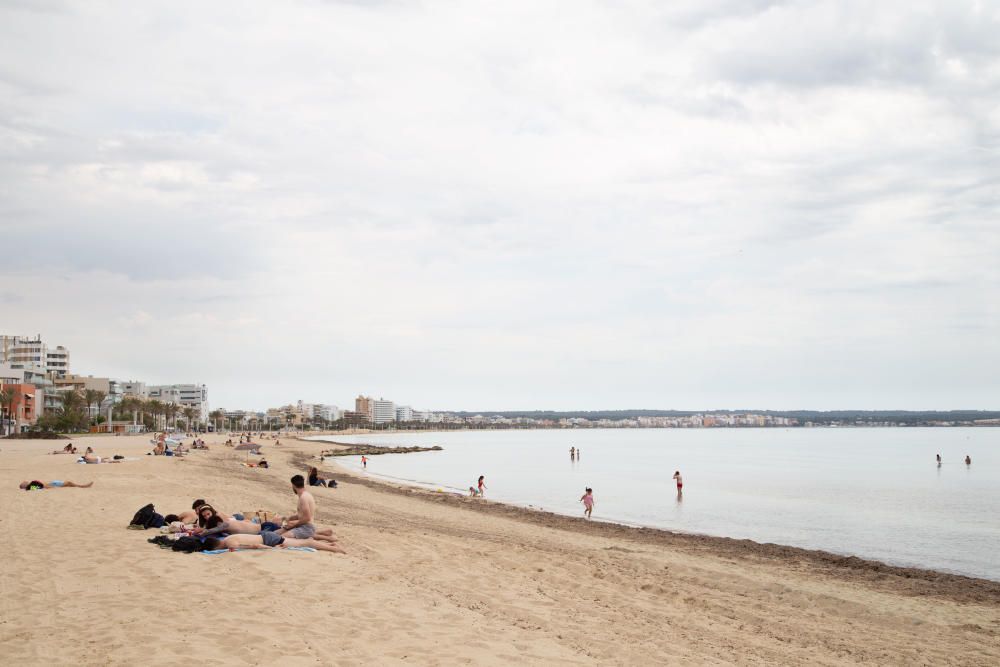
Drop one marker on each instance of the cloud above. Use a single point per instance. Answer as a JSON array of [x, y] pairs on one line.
[[700, 203]]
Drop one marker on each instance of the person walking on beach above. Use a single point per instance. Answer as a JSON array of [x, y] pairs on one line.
[[588, 501], [680, 482], [482, 485], [364, 462]]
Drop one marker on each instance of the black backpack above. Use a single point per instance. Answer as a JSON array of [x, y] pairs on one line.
[[147, 518]]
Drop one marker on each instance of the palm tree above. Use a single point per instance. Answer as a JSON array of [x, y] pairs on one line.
[[154, 408], [215, 416], [189, 414]]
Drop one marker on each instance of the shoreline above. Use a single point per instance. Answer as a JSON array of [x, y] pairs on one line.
[[876, 569]]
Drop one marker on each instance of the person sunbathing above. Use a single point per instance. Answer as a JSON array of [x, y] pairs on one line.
[[68, 449], [231, 526], [268, 540], [185, 517], [54, 484]]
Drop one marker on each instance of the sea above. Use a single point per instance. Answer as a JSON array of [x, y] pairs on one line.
[[877, 493]]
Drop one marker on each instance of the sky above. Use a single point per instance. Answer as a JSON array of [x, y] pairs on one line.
[[524, 205]]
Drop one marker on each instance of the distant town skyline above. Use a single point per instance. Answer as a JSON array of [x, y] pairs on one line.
[[519, 206]]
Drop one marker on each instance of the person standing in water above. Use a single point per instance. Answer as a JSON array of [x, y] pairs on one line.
[[680, 482], [482, 485], [588, 501], [364, 462], [572, 453], [939, 459], [968, 461]]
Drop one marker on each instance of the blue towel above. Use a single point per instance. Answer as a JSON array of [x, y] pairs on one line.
[[216, 552]]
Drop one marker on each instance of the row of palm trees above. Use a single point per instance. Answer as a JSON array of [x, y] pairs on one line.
[[162, 414]]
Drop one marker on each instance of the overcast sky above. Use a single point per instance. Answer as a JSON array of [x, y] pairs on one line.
[[518, 205]]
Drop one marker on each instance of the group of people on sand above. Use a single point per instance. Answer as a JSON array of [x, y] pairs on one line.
[[89, 456], [219, 530]]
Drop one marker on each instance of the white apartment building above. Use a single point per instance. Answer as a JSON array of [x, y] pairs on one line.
[[383, 411], [32, 353], [186, 395], [404, 413], [10, 375], [133, 388]]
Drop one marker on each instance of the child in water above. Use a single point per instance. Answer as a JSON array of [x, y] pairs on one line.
[[588, 502]]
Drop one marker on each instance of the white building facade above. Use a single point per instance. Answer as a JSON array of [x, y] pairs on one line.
[[383, 411], [32, 353], [186, 395]]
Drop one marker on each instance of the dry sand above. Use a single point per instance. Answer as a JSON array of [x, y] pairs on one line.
[[433, 579]]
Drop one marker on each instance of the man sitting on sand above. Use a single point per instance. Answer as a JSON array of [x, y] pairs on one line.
[[299, 526], [54, 484], [268, 540]]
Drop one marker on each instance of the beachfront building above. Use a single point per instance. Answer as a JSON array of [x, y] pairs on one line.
[[383, 411], [33, 353], [135, 389], [20, 412], [363, 405], [11, 375], [404, 413], [186, 395]]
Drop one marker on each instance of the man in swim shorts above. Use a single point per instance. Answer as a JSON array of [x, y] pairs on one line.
[[299, 526], [54, 484]]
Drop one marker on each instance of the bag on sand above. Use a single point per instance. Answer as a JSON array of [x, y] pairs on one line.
[[188, 545], [147, 518]]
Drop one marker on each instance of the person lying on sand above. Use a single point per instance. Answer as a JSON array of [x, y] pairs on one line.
[[68, 449], [90, 457], [268, 540], [233, 527], [187, 516], [54, 484]]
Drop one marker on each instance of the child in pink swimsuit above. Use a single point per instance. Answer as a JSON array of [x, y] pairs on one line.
[[588, 501]]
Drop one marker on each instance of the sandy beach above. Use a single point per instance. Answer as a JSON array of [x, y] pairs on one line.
[[432, 579]]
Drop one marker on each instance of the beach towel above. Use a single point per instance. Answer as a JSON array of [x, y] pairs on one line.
[[216, 552]]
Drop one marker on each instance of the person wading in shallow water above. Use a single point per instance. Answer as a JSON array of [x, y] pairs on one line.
[[680, 482]]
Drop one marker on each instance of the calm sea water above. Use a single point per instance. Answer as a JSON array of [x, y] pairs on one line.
[[871, 492]]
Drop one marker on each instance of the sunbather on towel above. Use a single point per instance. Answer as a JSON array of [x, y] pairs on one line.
[[267, 540], [231, 526], [54, 484]]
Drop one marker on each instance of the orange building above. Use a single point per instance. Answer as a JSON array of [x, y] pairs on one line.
[[23, 409]]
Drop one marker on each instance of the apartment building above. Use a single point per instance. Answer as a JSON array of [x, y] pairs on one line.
[[404, 413], [22, 412], [186, 395], [383, 411], [31, 352], [363, 405]]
